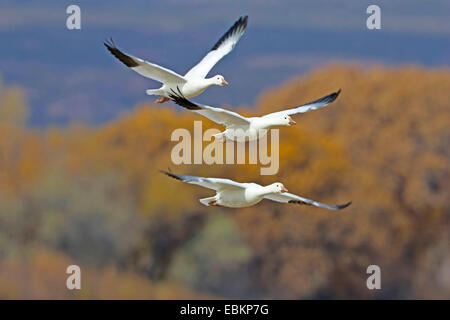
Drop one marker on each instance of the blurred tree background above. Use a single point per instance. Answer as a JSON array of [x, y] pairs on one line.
[[92, 196]]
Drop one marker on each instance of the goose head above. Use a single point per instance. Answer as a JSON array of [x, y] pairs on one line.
[[281, 120], [277, 187], [287, 121], [219, 80]]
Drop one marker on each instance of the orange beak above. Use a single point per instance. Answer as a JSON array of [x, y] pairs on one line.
[[224, 82], [284, 189]]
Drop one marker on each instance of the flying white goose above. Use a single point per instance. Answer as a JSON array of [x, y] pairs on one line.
[[192, 83], [240, 128], [234, 194]]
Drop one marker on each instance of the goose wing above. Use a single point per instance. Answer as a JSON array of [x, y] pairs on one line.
[[218, 115], [317, 104], [292, 198], [144, 68], [210, 183], [223, 47]]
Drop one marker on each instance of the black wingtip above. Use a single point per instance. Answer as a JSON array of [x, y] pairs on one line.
[[244, 21], [342, 206], [109, 44], [239, 26], [126, 60], [181, 100], [329, 98], [170, 174]]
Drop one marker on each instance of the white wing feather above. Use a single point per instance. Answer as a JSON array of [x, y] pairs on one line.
[[218, 115], [319, 103], [223, 47], [292, 198], [210, 183], [145, 68]]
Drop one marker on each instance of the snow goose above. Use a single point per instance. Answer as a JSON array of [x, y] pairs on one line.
[[234, 194], [194, 82], [240, 128]]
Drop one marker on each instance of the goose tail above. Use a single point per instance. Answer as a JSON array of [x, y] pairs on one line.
[[207, 201]]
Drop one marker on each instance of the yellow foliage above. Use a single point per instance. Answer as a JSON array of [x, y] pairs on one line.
[[384, 143]]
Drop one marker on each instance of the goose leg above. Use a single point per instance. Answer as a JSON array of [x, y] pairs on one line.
[[214, 204], [162, 99]]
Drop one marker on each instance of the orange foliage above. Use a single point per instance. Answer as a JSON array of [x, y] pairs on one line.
[[40, 274], [384, 143]]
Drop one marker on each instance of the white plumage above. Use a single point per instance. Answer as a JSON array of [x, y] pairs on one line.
[[194, 82], [240, 128], [234, 194]]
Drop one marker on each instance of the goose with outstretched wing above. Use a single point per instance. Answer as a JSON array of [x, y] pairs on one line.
[[194, 82], [234, 194], [240, 128]]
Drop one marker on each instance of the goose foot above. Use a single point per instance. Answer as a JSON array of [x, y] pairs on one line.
[[214, 204], [162, 99]]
